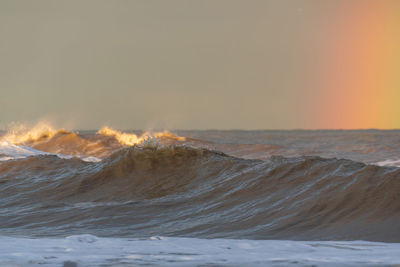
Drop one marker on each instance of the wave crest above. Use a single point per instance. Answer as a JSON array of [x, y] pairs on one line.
[[21, 134], [133, 139], [46, 138]]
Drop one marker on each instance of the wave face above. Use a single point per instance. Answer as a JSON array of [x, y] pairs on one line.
[[176, 190]]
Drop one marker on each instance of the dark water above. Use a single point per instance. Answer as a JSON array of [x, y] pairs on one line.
[[298, 185]]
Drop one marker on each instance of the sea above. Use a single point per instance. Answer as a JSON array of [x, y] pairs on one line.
[[199, 198]]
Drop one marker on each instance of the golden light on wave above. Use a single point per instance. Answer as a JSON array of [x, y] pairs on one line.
[[123, 138], [20, 134], [132, 139], [42, 131], [166, 134]]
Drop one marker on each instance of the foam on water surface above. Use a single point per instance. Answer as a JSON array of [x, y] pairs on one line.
[[389, 162], [10, 151], [89, 250], [14, 151]]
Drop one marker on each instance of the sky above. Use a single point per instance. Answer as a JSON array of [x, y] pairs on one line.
[[209, 64]]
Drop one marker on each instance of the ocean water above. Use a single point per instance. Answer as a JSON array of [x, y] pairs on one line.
[[199, 198]]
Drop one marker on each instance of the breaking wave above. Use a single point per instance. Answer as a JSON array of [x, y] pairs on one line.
[[175, 190], [42, 137]]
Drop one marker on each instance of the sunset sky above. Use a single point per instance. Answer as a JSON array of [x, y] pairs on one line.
[[210, 64]]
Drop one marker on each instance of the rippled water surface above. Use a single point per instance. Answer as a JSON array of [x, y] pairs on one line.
[[254, 185]]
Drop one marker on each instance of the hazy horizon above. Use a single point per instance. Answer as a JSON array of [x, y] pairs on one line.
[[248, 65]]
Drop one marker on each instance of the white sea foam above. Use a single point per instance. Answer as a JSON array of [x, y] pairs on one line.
[[89, 250], [389, 162], [10, 151]]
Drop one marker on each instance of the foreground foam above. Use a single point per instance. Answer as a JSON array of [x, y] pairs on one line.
[[85, 250]]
